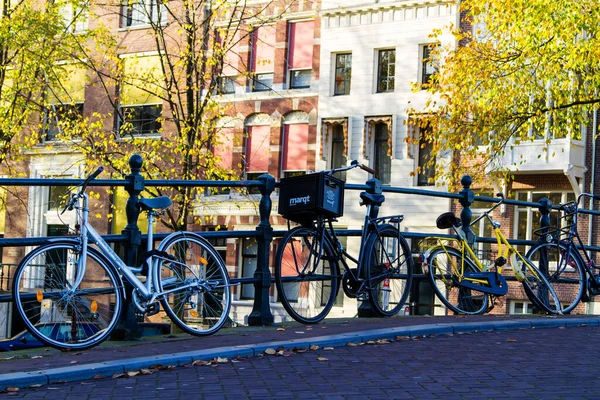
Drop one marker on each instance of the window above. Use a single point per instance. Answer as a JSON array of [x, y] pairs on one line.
[[521, 307], [140, 119], [338, 157], [528, 218], [57, 196], [262, 82], [343, 73], [75, 19], [301, 35], [263, 54], [226, 84], [382, 162], [140, 91], [300, 79], [426, 165], [386, 68], [249, 257], [142, 12], [60, 117], [429, 64]]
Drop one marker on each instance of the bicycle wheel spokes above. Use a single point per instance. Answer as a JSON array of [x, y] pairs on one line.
[[563, 271], [195, 283], [305, 275], [59, 314], [538, 288], [388, 267], [446, 272]]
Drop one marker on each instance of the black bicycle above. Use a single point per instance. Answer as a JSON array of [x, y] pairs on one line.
[[308, 259], [561, 257]]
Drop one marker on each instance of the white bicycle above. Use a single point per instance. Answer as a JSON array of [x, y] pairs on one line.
[[70, 293]]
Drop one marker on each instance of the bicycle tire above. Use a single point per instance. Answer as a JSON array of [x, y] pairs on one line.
[[52, 311], [306, 275], [445, 281], [564, 272], [389, 270], [196, 279], [537, 287]]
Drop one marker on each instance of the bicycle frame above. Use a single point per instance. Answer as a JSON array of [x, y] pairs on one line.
[[148, 290]]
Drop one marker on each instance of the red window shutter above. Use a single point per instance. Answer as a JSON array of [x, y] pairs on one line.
[[231, 61], [224, 147], [295, 147], [263, 49], [301, 44], [257, 149]]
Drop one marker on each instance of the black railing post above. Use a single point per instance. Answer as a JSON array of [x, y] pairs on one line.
[[261, 310], [545, 207], [127, 328], [468, 198]]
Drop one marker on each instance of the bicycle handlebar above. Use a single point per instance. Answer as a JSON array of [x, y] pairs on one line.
[[71, 203], [354, 164], [485, 213]]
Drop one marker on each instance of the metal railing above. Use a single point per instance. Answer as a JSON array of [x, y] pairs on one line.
[[262, 280]]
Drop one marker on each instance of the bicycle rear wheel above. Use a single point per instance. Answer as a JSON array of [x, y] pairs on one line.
[[564, 272], [446, 271], [389, 269], [55, 312], [537, 287], [306, 275], [195, 282]]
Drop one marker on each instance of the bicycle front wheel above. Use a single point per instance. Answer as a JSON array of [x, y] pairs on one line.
[[537, 287], [194, 284], [389, 269], [446, 269], [306, 275], [564, 272], [54, 310]]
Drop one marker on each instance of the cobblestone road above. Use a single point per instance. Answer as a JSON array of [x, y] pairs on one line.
[[526, 364]]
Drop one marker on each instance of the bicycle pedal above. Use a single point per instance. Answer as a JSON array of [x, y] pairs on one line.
[[153, 308], [363, 296]]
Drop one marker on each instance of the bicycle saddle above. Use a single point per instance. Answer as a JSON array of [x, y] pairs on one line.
[[154, 203], [369, 198], [447, 220]]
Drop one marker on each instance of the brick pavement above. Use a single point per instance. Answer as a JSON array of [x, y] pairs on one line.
[[43, 366], [522, 363]]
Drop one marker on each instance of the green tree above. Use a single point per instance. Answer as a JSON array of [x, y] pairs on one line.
[[187, 42], [527, 70]]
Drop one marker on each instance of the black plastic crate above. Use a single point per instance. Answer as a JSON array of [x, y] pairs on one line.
[[305, 197]]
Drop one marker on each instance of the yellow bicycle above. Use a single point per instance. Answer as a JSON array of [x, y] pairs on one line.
[[466, 285]]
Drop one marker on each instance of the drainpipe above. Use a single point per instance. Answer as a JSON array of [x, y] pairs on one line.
[[593, 174]]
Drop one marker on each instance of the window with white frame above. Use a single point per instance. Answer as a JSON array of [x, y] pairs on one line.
[[249, 257], [343, 74], [142, 12], [527, 219], [429, 62], [75, 18], [386, 70], [382, 162], [61, 117], [519, 307]]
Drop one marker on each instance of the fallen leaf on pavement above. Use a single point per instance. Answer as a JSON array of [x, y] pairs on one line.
[[322, 359], [36, 357], [314, 347], [270, 351], [222, 360], [201, 363]]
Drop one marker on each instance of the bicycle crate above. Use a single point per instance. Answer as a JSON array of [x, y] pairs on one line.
[[305, 197]]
